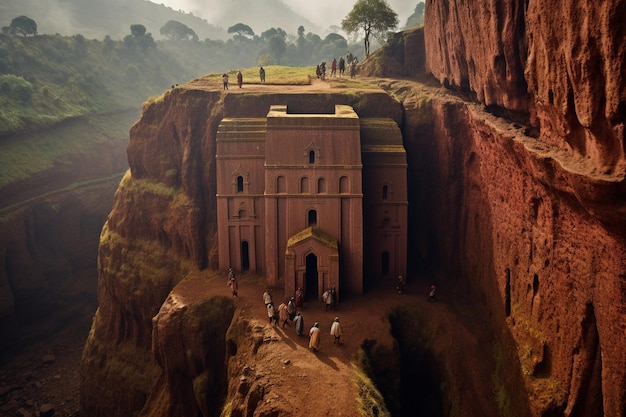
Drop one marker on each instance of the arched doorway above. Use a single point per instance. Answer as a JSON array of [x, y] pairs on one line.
[[245, 256], [310, 278]]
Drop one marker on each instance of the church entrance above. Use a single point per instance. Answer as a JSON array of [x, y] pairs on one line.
[[311, 262], [311, 277]]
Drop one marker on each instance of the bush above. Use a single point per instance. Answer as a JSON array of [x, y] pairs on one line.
[[16, 87]]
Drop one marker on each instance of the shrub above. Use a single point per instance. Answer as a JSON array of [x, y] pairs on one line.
[[16, 87]]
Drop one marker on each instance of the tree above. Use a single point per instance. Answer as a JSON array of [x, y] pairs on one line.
[[275, 38], [139, 37], [137, 30], [23, 25], [373, 17], [241, 30], [417, 18], [177, 31]]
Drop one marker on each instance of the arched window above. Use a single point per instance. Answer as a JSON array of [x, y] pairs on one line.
[[321, 186], [312, 218], [240, 184], [344, 185], [281, 185], [385, 192], [311, 157], [304, 185]]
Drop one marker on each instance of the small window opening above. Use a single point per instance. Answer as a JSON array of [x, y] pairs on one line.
[[312, 218], [385, 192], [239, 184], [311, 157]]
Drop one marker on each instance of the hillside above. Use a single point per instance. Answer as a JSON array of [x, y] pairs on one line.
[[95, 19]]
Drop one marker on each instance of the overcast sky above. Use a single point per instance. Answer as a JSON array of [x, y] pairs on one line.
[[322, 12]]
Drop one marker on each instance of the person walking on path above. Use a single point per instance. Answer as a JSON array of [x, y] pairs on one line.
[[225, 81], [298, 320], [291, 308], [267, 297], [328, 299], [232, 282], [401, 284], [283, 316], [431, 294], [335, 330], [333, 298], [314, 334], [299, 298], [262, 74], [239, 79], [271, 314]]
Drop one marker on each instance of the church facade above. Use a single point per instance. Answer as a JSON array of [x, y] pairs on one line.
[[312, 200]]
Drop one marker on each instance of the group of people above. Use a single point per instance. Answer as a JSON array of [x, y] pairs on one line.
[[239, 80], [288, 311], [314, 334], [351, 63]]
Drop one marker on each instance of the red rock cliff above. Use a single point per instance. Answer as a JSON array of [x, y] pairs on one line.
[[535, 226]]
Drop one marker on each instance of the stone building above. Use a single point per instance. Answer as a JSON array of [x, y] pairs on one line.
[[312, 200]]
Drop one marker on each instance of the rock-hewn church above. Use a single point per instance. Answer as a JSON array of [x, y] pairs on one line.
[[312, 200]]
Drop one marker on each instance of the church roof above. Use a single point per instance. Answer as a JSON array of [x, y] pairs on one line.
[[314, 233]]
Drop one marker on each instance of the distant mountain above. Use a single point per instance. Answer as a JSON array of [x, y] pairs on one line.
[[94, 19], [260, 15]]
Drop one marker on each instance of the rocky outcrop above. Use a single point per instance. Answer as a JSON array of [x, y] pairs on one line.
[[188, 344], [561, 64], [402, 56], [526, 250]]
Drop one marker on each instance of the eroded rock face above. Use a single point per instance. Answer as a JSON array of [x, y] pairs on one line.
[[188, 344], [479, 48], [529, 252], [562, 64]]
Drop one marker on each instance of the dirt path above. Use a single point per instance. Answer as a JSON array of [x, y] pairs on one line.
[[322, 383]]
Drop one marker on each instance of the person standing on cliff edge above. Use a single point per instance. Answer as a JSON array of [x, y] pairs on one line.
[[239, 79], [225, 81]]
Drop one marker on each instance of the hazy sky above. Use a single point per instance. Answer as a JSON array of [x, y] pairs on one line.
[[322, 12]]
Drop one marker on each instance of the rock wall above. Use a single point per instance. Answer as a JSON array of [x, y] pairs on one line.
[[531, 220], [526, 250], [562, 64]]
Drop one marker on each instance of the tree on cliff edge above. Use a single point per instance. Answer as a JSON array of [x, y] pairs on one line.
[[374, 17]]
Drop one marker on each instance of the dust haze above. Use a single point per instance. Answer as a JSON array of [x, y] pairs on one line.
[[261, 15]]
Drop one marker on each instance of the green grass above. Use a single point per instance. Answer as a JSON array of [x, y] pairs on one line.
[[274, 75], [25, 155]]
